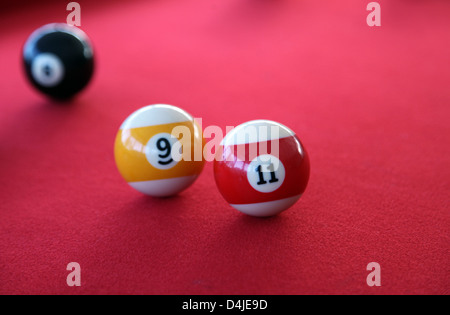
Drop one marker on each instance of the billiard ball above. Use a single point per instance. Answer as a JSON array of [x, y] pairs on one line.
[[159, 150], [261, 168], [58, 60]]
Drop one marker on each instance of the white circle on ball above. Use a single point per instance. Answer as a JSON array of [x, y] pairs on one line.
[[47, 69], [266, 173], [163, 151]]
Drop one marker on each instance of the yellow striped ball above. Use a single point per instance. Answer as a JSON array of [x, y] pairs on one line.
[[159, 150]]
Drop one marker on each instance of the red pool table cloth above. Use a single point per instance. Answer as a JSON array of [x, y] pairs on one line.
[[371, 105]]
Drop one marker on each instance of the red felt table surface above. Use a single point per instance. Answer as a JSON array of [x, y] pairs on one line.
[[371, 105]]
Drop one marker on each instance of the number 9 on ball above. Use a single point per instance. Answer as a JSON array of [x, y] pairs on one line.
[[158, 150]]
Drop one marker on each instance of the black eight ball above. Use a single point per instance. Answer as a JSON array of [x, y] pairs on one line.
[[58, 60]]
